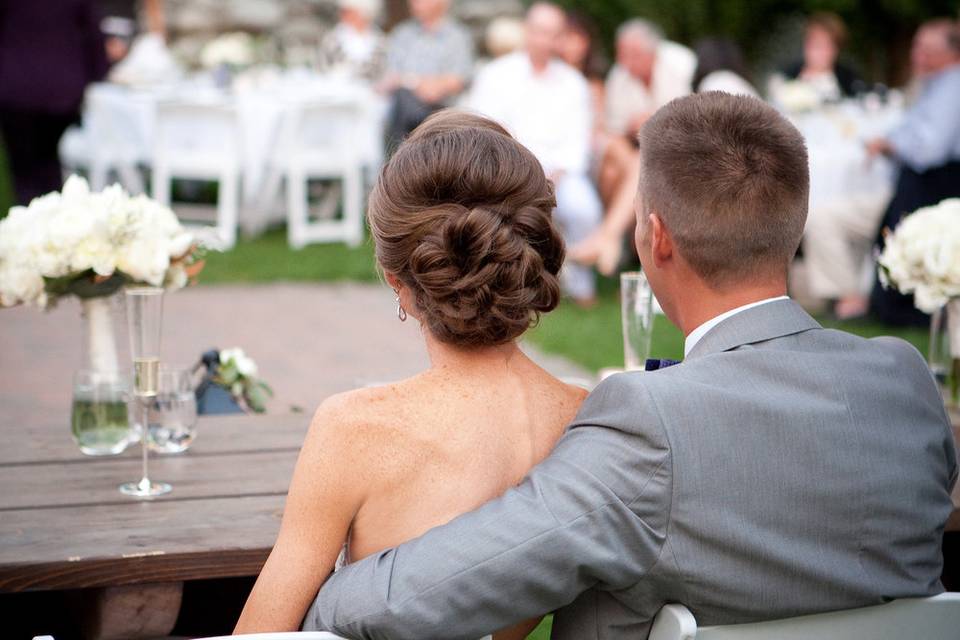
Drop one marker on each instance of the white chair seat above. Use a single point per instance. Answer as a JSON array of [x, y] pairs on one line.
[[936, 618]]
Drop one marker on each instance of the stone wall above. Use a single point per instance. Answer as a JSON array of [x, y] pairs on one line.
[[192, 22]]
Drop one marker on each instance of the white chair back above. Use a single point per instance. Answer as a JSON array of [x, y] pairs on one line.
[[936, 618], [197, 137], [110, 122], [321, 134]]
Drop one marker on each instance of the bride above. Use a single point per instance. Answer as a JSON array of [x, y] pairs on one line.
[[461, 219]]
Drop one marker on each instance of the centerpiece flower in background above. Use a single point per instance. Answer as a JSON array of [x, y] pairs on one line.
[[91, 245], [922, 257], [87, 244], [237, 373]]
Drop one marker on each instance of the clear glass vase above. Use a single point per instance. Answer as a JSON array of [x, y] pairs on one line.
[[944, 353], [99, 418]]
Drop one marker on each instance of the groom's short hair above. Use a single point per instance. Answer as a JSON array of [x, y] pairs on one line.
[[728, 177]]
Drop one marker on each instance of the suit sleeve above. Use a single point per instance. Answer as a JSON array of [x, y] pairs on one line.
[[593, 515]]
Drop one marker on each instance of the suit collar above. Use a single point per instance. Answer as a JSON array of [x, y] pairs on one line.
[[757, 324]]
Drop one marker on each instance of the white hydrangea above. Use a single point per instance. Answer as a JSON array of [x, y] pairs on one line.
[[922, 256], [75, 231]]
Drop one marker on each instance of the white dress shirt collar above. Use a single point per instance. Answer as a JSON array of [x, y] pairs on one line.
[[697, 334]]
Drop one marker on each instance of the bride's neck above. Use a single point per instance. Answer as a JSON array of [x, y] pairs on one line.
[[445, 357]]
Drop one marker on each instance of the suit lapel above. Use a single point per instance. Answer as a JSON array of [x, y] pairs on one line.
[[765, 322]]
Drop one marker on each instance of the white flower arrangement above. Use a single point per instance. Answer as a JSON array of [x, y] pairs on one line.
[[230, 49], [237, 374], [922, 256], [90, 244]]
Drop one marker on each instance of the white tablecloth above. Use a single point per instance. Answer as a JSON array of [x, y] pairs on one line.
[[261, 104], [840, 173]]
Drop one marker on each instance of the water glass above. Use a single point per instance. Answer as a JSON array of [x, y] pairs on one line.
[[636, 310], [173, 416], [99, 418]]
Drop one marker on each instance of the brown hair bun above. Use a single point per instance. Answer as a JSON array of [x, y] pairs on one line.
[[462, 215]]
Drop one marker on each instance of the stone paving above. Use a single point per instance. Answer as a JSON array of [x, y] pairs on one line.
[[309, 340]]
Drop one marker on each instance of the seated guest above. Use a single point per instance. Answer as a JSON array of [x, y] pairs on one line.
[[926, 145], [721, 67], [356, 44], [545, 103], [824, 38], [649, 73], [429, 60]]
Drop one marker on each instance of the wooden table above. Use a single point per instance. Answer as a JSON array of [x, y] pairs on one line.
[[64, 524]]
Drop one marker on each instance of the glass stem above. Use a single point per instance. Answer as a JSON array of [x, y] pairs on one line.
[[145, 412]]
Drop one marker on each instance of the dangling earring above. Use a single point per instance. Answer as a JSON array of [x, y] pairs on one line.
[[401, 312]]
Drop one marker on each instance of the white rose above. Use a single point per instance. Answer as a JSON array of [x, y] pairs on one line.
[[245, 365]]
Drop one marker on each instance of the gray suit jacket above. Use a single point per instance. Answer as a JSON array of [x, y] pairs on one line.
[[782, 469]]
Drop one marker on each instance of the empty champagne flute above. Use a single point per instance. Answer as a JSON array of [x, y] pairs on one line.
[[145, 315], [636, 310]]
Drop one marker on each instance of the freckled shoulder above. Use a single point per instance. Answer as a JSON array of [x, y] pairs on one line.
[[362, 426]]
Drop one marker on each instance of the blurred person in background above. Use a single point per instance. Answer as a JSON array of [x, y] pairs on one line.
[[824, 37], [546, 104], [356, 44], [50, 50], [721, 67], [926, 145], [615, 160], [429, 61], [124, 19], [650, 72], [503, 35]]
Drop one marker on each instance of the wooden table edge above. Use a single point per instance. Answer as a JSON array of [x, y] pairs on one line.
[[140, 569]]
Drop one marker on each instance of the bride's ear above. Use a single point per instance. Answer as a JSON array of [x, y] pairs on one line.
[[392, 280]]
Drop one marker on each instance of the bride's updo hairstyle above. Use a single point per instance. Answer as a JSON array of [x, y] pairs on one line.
[[461, 215]]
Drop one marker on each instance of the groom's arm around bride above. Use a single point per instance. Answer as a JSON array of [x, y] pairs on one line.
[[781, 469]]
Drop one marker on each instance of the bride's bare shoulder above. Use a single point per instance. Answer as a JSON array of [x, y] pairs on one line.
[[362, 417]]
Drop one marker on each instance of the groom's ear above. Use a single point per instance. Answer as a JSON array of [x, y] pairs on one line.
[[661, 242]]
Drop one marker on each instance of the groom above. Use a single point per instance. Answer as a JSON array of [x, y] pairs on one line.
[[781, 469]]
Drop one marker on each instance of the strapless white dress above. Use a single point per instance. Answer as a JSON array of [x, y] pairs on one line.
[[344, 559]]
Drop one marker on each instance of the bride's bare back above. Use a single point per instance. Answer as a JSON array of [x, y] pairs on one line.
[[462, 222], [452, 439]]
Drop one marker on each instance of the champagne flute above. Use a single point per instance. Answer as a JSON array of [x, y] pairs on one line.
[[636, 309], [144, 315]]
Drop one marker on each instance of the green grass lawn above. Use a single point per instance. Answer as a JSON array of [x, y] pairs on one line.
[[590, 338]]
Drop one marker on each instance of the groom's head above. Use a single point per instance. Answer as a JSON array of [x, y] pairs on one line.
[[723, 196]]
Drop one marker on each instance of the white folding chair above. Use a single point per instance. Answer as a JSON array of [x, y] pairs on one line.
[[320, 140], [936, 618], [200, 141], [110, 128], [74, 152]]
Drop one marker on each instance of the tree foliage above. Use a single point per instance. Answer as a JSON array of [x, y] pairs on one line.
[[769, 30]]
